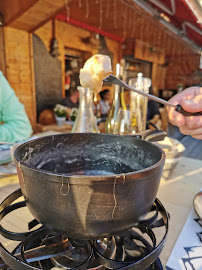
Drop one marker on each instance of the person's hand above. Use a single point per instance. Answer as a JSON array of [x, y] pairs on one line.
[[191, 100]]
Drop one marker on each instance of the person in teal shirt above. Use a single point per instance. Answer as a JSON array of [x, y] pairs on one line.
[[14, 123]]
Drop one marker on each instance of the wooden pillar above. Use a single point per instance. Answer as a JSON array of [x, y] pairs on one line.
[[2, 51], [158, 77], [19, 68]]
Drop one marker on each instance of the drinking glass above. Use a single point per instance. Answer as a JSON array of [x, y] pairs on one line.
[[126, 122]]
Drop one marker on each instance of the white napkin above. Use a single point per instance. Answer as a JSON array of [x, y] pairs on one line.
[[187, 252]]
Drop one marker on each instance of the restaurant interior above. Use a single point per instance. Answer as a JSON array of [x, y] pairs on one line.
[[44, 44]]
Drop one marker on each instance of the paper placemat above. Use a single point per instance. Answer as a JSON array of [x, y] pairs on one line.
[[187, 252]]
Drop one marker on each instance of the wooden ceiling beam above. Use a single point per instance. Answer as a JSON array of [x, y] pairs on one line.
[[36, 27], [35, 13], [13, 9], [121, 18]]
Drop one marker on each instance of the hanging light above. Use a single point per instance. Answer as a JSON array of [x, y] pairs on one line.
[[54, 48], [54, 43], [165, 17]]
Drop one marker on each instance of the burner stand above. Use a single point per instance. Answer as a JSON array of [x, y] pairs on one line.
[[136, 248]]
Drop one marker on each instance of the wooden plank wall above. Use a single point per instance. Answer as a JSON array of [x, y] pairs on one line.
[[69, 36], [144, 51], [158, 77], [180, 69], [18, 66], [148, 52], [169, 67], [19, 69]]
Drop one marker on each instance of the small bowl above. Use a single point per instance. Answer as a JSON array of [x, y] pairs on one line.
[[173, 150], [198, 204]]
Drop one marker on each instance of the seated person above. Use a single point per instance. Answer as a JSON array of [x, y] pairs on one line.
[[104, 102], [72, 98], [14, 123], [47, 117], [153, 111]]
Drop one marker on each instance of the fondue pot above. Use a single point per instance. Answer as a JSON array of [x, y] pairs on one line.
[[89, 186]]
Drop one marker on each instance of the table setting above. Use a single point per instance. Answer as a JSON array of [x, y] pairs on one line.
[[109, 193]]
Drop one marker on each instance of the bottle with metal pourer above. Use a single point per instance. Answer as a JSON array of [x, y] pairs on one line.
[[118, 103]]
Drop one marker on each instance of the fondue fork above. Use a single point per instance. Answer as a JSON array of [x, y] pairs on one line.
[[114, 80]]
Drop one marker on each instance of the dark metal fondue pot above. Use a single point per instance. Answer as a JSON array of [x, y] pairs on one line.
[[89, 186]]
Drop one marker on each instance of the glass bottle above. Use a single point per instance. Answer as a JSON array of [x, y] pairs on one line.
[[85, 121], [118, 103], [126, 123], [138, 102]]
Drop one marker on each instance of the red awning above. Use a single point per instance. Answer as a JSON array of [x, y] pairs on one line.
[[183, 18]]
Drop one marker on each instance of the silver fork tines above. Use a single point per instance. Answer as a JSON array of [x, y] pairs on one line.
[[114, 80]]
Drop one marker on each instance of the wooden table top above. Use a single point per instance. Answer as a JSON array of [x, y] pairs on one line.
[[177, 195]]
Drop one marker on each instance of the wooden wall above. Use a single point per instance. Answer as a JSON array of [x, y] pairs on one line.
[[2, 52], [156, 55], [158, 77], [19, 69], [145, 51], [169, 67], [180, 69], [18, 55], [71, 37]]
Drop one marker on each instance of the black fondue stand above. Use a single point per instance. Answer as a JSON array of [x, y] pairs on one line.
[[40, 248]]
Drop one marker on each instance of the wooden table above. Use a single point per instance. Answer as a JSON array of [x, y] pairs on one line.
[[176, 194], [8, 171], [54, 127]]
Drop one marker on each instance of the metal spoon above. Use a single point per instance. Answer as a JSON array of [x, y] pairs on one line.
[[198, 204], [114, 80]]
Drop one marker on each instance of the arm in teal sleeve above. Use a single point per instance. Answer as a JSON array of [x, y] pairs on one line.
[[16, 125]]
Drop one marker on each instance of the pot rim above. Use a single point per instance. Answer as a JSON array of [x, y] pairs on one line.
[[18, 162]]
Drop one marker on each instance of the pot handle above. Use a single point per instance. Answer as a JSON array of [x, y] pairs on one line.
[[152, 135]]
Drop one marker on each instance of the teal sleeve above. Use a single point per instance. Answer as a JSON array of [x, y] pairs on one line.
[[16, 126]]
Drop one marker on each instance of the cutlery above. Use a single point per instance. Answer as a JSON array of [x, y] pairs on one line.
[[114, 80]]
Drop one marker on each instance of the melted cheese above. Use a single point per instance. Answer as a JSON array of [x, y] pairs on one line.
[[94, 71]]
